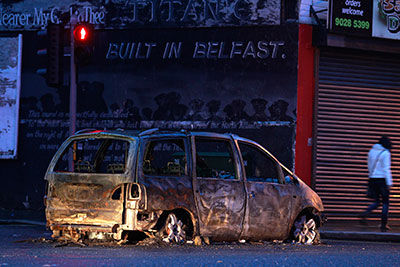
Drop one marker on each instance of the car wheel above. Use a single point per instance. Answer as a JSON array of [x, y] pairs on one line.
[[305, 231], [173, 230]]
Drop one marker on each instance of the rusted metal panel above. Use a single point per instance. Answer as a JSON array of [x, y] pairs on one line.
[[357, 101], [168, 193], [268, 205], [221, 207], [83, 199]]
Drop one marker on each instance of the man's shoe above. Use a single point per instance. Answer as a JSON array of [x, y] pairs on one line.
[[385, 228]]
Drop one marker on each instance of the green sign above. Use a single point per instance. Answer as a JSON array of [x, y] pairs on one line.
[[353, 17]]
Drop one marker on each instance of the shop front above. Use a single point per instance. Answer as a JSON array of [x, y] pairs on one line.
[[357, 100]]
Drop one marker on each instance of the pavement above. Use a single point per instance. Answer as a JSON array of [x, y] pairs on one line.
[[353, 230], [33, 217], [332, 229]]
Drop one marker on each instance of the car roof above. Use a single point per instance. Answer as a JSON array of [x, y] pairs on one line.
[[151, 132], [155, 132]]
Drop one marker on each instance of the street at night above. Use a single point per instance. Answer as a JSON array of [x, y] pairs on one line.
[[23, 245], [199, 133]]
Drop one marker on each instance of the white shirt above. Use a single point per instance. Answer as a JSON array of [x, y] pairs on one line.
[[382, 164]]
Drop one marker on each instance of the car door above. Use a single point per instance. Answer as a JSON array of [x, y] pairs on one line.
[[269, 200], [86, 181], [219, 191], [163, 170]]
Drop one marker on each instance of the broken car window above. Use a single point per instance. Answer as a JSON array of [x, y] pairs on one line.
[[289, 179], [165, 157], [91, 155], [214, 159], [258, 165]]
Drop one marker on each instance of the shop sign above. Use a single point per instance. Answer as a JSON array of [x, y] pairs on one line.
[[386, 19], [367, 18], [353, 17]]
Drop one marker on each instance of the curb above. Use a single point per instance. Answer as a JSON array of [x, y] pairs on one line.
[[362, 236], [22, 222], [325, 234]]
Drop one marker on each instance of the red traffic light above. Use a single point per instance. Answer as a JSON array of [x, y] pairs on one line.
[[82, 33], [83, 43]]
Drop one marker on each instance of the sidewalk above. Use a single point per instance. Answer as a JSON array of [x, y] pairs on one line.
[[353, 230], [344, 230], [33, 217]]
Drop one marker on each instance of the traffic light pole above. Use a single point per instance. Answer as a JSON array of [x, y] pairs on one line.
[[72, 89], [72, 96]]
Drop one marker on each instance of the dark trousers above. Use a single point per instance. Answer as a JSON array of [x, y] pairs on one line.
[[380, 191]]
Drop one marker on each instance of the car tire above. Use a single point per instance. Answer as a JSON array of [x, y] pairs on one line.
[[173, 230], [305, 231]]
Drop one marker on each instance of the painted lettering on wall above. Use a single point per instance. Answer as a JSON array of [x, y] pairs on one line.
[[178, 10], [41, 17], [199, 50], [51, 128], [31, 15]]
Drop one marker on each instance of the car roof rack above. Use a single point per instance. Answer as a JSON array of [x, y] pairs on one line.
[[149, 131], [85, 130]]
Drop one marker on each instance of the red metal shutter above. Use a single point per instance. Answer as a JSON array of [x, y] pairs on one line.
[[357, 100]]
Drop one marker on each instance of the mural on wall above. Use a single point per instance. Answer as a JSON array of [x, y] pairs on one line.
[[229, 80], [157, 70], [30, 15]]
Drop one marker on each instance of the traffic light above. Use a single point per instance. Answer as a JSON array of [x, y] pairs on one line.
[[54, 51], [83, 39]]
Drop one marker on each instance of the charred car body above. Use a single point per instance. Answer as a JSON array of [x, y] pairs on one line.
[[178, 185]]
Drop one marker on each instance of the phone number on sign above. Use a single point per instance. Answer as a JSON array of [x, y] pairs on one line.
[[357, 24]]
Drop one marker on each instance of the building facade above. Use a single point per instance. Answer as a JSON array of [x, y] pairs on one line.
[[316, 82], [224, 66], [355, 98]]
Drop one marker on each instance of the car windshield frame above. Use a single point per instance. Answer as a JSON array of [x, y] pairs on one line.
[[130, 161]]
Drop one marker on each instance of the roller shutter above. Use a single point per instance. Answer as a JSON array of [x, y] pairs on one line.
[[357, 100]]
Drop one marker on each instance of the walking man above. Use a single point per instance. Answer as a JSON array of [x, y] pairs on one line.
[[380, 179]]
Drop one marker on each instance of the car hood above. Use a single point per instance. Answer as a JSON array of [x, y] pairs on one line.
[[311, 198]]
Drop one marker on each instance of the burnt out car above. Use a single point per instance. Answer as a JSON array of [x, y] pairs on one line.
[[178, 186]]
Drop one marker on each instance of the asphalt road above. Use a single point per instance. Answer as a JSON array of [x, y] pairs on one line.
[[26, 245]]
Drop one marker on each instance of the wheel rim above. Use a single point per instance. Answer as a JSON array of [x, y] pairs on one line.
[[305, 230], [173, 229]]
